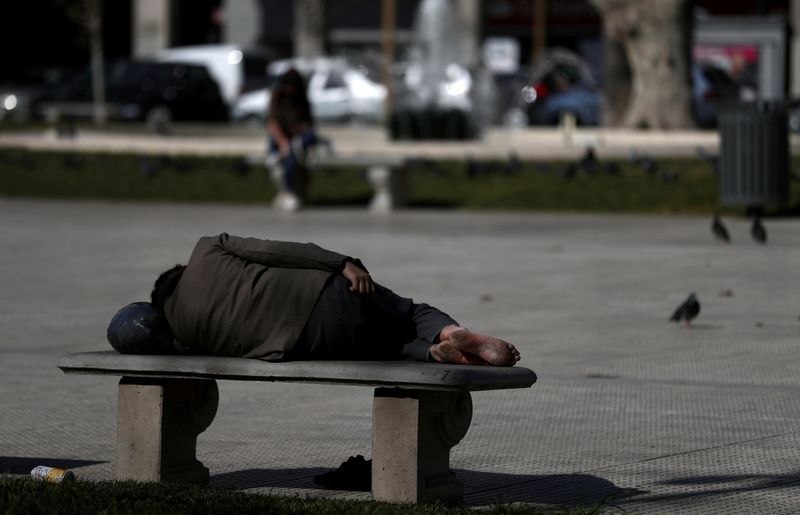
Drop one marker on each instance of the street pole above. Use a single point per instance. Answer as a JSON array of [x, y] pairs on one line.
[[95, 25], [389, 13], [539, 27]]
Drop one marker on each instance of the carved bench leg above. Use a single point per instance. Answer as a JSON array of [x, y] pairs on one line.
[[412, 433], [389, 188], [158, 421]]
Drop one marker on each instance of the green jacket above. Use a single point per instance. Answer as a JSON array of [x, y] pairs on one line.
[[248, 297]]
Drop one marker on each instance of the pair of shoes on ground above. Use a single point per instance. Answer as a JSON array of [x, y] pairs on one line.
[[287, 202], [355, 474]]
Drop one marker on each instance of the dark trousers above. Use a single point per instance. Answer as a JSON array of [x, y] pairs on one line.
[[381, 326]]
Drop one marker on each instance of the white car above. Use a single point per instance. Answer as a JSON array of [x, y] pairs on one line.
[[230, 66], [252, 107], [337, 91]]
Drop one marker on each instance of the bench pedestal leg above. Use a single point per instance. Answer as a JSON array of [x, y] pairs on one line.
[[412, 433], [389, 187], [158, 421]]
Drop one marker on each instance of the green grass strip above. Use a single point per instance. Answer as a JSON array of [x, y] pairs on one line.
[[619, 186], [24, 496]]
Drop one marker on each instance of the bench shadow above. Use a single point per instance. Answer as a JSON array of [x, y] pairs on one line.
[[480, 488], [24, 465], [714, 486], [262, 478], [483, 488]]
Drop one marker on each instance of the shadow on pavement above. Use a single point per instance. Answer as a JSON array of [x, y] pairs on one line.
[[261, 478], [724, 485], [480, 488]]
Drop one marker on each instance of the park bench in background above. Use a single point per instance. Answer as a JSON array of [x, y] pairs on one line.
[[385, 173], [420, 411]]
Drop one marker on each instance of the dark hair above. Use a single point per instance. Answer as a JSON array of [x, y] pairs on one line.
[[165, 285], [292, 79]]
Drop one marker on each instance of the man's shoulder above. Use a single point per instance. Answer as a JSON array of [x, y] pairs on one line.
[[212, 240], [208, 244]]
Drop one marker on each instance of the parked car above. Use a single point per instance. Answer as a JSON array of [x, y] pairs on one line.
[[141, 90], [17, 100], [235, 70], [562, 84], [337, 91], [712, 88], [20, 96]]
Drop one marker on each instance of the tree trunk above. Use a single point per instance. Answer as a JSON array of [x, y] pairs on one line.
[[309, 28], [652, 36]]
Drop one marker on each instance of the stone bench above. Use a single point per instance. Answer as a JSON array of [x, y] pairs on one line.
[[385, 174], [420, 411]]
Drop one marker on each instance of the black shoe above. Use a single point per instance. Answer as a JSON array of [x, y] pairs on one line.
[[355, 474]]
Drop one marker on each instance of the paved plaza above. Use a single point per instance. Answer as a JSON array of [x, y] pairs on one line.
[[656, 417]]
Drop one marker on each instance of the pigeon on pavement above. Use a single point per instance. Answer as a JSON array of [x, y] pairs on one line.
[[719, 229], [687, 311]]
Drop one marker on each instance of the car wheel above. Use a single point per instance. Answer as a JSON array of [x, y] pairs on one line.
[[158, 118]]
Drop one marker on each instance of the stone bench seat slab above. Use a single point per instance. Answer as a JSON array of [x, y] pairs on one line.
[[388, 374]]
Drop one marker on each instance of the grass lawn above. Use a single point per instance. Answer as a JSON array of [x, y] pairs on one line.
[[24, 496], [675, 186]]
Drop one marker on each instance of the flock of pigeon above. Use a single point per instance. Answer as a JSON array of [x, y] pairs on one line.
[[590, 165], [690, 308]]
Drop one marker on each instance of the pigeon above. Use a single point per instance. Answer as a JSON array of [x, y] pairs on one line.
[[147, 167], [757, 231], [687, 311], [569, 172], [669, 176], [240, 167], [588, 162], [612, 169], [514, 164], [646, 162], [719, 229], [474, 168], [711, 159]]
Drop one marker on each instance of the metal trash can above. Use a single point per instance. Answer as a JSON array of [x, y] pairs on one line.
[[754, 154]]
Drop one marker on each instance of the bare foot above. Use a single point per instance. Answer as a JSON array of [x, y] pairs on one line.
[[447, 352], [458, 345]]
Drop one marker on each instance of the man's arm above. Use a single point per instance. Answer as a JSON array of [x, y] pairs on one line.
[[282, 254]]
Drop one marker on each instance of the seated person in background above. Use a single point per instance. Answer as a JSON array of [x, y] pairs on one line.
[[290, 126], [273, 300]]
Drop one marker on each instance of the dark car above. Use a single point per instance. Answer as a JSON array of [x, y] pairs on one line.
[[562, 84], [142, 90], [713, 88], [20, 94]]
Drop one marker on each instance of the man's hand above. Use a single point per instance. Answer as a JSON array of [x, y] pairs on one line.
[[360, 281]]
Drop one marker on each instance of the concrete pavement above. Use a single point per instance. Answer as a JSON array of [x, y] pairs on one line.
[[659, 418]]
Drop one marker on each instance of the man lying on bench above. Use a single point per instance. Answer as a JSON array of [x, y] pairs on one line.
[[273, 300]]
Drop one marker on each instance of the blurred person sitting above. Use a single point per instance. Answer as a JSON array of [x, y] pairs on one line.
[[290, 126]]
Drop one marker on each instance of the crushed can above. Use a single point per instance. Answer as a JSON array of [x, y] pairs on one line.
[[52, 474]]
